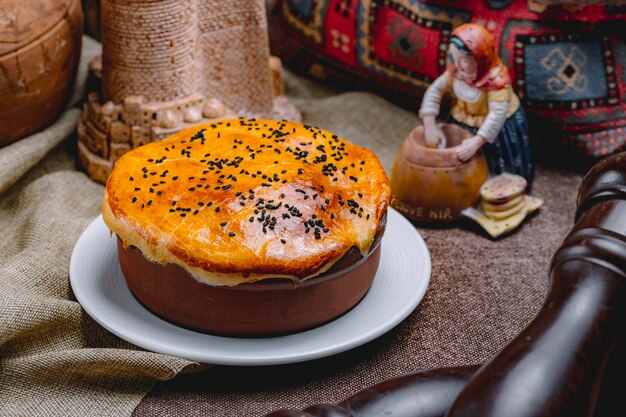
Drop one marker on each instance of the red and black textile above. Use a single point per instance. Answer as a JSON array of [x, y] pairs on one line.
[[567, 63]]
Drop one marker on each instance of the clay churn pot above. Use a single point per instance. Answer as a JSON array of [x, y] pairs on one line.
[[40, 44], [433, 185]]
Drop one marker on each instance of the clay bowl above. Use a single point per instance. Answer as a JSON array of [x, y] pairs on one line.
[[267, 307], [433, 185], [40, 43]]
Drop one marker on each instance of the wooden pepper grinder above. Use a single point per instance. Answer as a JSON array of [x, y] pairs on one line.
[[421, 394], [553, 368]]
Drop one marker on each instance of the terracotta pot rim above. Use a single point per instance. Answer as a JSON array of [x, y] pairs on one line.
[[35, 41], [417, 153], [438, 167]]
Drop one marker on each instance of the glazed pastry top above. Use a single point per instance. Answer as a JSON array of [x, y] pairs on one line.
[[243, 200]]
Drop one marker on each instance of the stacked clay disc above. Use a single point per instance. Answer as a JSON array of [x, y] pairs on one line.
[[501, 196], [504, 204]]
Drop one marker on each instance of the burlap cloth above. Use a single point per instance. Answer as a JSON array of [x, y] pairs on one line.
[[55, 360]]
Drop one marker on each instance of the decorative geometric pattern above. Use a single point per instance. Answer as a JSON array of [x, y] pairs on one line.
[[565, 71], [307, 16], [594, 142], [303, 8], [393, 36]]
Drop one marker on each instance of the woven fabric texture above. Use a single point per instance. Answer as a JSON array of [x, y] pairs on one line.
[[56, 361]]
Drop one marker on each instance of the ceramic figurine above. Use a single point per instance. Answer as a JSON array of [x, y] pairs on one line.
[[485, 104], [169, 65], [438, 174]]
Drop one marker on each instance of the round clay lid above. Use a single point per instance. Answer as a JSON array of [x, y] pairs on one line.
[[23, 21]]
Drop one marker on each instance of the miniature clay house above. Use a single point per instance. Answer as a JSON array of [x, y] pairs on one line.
[[167, 65]]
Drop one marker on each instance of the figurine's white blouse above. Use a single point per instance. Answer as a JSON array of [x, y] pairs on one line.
[[465, 92]]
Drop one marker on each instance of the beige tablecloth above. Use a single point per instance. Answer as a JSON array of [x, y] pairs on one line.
[[56, 361]]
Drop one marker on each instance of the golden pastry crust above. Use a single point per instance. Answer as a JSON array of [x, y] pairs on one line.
[[243, 200]]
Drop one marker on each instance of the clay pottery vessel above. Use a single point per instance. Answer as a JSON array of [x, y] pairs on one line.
[[432, 185], [40, 43], [267, 307]]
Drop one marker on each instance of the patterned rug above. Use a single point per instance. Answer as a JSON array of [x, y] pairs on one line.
[[567, 62]]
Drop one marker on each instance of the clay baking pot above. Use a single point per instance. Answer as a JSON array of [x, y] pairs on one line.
[[267, 307], [433, 185], [40, 43]]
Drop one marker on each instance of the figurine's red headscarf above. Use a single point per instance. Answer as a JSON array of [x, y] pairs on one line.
[[491, 72]]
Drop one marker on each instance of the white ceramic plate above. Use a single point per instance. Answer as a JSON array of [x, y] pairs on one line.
[[398, 287]]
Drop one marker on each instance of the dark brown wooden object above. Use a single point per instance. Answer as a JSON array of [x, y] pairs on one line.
[[40, 43], [422, 394], [555, 366]]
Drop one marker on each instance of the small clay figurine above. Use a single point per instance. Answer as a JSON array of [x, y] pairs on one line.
[[484, 104]]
